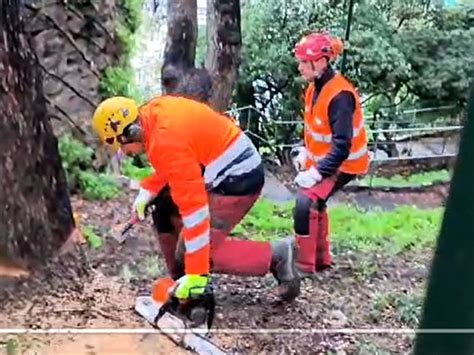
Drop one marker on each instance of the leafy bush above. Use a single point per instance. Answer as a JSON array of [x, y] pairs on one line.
[[77, 162]]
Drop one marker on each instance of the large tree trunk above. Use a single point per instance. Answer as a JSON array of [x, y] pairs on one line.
[[35, 215], [223, 55], [215, 84], [178, 72]]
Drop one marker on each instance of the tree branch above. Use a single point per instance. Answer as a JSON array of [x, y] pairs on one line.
[[68, 37]]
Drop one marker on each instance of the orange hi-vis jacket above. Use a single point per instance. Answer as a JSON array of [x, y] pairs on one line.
[[317, 130], [192, 148]]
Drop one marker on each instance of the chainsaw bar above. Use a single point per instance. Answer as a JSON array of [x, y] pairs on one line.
[[175, 328]]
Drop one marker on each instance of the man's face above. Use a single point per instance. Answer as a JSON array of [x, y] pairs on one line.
[[312, 70], [132, 148]]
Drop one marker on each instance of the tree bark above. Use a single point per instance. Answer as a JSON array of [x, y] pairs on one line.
[[223, 56], [35, 215], [215, 83], [178, 74]]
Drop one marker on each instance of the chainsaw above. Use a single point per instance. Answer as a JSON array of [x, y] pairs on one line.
[[185, 322], [195, 311]]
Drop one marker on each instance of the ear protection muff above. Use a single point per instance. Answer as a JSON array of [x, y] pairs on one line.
[[131, 134]]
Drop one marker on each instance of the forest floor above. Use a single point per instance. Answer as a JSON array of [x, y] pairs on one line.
[[371, 286]]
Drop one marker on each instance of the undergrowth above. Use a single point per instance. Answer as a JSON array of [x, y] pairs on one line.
[[81, 177], [405, 227], [414, 180]]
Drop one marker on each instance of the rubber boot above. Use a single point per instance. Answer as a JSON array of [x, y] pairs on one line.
[[283, 268], [168, 243], [323, 252], [307, 246]]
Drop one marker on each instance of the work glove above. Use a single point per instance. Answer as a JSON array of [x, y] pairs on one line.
[[141, 201], [190, 285], [308, 178], [298, 157]]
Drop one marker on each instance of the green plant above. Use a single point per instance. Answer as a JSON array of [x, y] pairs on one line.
[[405, 307], [421, 179], [266, 221], [12, 347], [118, 79], [134, 172], [75, 157], [405, 227], [98, 186], [92, 238], [77, 162]]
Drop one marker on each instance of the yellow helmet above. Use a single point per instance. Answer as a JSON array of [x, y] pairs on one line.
[[112, 116]]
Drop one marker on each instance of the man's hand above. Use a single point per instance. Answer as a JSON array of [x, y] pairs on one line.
[[190, 285], [141, 202], [298, 157], [308, 178]]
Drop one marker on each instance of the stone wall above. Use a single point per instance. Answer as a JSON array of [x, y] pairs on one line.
[[75, 42]]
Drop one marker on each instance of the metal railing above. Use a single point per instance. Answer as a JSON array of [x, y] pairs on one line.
[[408, 140]]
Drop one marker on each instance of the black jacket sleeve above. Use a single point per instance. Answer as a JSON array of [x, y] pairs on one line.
[[341, 109]]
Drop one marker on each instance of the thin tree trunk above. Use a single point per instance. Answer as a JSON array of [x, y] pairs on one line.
[[35, 213], [178, 75], [223, 56]]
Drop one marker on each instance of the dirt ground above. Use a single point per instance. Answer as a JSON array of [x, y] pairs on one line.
[[361, 291]]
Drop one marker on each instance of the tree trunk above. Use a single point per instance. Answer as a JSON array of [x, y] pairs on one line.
[[213, 85], [223, 56], [178, 73], [35, 214]]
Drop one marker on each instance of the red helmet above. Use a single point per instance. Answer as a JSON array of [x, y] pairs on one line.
[[316, 46]]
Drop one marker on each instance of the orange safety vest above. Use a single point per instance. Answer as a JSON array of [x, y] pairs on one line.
[[182, 137], [317, 130]]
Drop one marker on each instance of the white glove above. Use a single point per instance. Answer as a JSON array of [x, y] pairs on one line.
[[298, 157], [140, 203], [308, 178]]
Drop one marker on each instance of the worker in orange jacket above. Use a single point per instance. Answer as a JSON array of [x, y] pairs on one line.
[[208, 174], [335, 146]]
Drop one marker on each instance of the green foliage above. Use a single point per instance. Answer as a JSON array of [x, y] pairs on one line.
[[77, 163], [134, 172], [132, 10], [94, 240], [12, 347], [75, 157], [406, 227], [266, 221], [96, 186], [118, 79], [415, 180], [399, 53], [405, 307]]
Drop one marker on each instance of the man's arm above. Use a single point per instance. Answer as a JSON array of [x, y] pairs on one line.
[[341, 110], [153, 183], [174, 159]]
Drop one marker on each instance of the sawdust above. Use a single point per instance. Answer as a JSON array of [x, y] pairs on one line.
[[105, 303]]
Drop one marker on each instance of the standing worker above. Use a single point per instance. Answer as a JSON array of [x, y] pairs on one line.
[[335, 147], [208, 175]]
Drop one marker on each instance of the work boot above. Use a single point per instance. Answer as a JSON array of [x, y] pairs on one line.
[[283, 268]]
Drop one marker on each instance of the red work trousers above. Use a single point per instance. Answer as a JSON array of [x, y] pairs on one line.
[[228, 255]]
